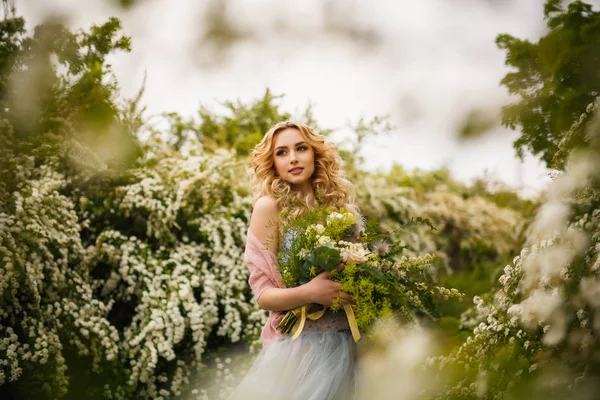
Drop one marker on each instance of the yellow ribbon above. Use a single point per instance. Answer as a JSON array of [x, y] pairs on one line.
[[352, 322], [301, 314]]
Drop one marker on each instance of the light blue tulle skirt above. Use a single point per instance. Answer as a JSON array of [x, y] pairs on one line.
[[315, 366]]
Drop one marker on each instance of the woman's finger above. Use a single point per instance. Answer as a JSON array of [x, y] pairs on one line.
[[347, 298], [323, 275]]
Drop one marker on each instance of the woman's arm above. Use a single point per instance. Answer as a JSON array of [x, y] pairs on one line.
[[321, 290]]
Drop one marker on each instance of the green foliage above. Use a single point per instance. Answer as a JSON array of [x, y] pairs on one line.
[[325, 258], [555, 78], [59, 95]]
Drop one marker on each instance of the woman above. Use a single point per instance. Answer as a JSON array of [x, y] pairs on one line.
[[294, 168]]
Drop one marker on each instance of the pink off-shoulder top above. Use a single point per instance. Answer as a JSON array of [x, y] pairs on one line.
[[262, 264]]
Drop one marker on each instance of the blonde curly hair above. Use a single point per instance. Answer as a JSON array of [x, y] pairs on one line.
[[329, 183]]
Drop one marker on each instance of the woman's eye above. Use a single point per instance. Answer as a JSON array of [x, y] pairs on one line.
[[302, 148], [280, 153]]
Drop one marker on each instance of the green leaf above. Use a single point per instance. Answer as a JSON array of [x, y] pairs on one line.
[[326, 258]]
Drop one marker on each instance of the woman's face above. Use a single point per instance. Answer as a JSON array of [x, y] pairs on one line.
[[294, 158]]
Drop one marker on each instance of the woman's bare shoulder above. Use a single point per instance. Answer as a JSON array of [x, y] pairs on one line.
[[266, 203], [263, 223]]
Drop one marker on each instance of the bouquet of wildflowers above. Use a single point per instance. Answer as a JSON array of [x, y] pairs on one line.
[[381, 281]]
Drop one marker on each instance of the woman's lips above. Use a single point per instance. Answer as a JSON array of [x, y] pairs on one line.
[[296, 171]]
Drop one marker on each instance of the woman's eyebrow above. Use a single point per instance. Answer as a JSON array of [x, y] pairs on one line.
[[285, 147]]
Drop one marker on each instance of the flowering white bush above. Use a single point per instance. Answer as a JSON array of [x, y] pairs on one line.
[[464, 228], [472, 224], [46, 298], [546, 309], [179, 267], [162, 278]]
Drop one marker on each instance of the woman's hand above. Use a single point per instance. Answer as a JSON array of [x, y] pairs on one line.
[[322, 290]]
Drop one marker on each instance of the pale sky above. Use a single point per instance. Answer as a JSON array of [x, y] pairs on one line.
[[425, 63]]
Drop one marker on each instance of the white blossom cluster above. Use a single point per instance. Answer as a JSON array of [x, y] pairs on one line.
[[350, 252]]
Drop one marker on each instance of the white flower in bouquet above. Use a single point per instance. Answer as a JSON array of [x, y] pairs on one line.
[[315, 230], [334, 215], [323, 240], [303, 254], [355, 253]]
